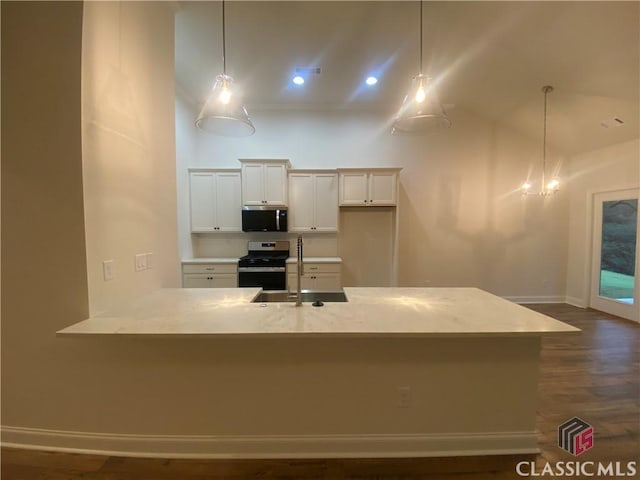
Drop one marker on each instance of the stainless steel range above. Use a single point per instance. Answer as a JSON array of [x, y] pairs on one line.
[[264, 266]]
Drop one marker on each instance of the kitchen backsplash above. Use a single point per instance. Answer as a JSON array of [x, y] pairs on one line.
[[235, 244]]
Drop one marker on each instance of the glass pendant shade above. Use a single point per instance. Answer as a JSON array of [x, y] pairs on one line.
[[421, 109], [223, 113]]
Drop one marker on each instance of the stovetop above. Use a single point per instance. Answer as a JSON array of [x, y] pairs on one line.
[[263, 259], [266, 254]]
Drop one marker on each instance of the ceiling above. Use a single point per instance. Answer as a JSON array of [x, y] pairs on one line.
[[488, 58]]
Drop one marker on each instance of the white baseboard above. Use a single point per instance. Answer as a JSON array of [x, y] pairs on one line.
[[537, 299], [576, 302], [272, 446]]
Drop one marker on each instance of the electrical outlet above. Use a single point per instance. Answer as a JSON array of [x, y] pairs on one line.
[[107, 270], [141, 262], [403, 397], [149, 259]]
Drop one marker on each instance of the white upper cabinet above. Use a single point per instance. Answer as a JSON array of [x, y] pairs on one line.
[[314, 201], [215, 200], [354, 188], [264, 182], [369, 187]]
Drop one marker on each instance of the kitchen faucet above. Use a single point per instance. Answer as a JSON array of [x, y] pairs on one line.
[[300, 273]]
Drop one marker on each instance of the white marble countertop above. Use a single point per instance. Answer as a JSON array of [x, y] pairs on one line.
[[210, 260], [316, 259], [370, 312]]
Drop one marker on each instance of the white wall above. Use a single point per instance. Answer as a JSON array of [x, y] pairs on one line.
[[128, 148], [462, 221], [612, 168], [186, 136], [48, 279]]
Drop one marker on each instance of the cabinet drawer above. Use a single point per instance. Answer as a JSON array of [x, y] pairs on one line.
[[210, 268], [315, 268], [199, 280]]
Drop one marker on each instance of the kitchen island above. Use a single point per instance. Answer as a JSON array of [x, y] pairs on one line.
[[391, 372], [369, 312]]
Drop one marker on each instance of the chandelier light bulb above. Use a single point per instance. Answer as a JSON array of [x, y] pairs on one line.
[[225, 96], [526, 186], [553, 184], [420, 94]]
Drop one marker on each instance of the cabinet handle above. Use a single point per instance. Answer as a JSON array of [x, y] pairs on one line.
[[211, 269], [313, 268], [366, 201]]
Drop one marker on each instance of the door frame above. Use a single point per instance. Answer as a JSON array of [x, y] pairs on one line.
[[594, 300]]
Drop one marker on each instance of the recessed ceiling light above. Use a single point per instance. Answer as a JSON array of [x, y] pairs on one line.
[[298, 80], [371, 80]]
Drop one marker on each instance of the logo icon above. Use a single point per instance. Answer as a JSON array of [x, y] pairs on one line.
[[575, 436]]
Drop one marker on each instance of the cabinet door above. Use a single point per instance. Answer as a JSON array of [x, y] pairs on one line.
[[228, 202], [382, 188], [252, 184], [275, 184], [301, 212], [326, 202], [353, 189], [196, 280], [224, 280], [292, 282], [326, 282], [202, 201]]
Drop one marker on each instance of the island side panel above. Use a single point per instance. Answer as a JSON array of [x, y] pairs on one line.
[[311, 397]]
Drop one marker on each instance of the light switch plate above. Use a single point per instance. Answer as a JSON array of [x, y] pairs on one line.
[[149, 259], [141, 262], [108, 270]]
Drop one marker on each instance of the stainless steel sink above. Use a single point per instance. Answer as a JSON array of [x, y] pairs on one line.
[[307, 296]]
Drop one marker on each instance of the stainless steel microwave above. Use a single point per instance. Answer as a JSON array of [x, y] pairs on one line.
[[264, 219]]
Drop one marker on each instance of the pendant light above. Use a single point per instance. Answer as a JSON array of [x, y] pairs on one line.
[[223, 113], [421, 110], [553, 185]]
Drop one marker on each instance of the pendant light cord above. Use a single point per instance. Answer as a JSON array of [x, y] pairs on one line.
[[224, 46], [546, 90], [420, 36]]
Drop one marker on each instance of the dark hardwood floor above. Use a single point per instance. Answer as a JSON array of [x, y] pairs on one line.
[[594, 375]]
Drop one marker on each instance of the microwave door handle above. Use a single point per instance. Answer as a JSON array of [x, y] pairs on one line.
[[277, 220]]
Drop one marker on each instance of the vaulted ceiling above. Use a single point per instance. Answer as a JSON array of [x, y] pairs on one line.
[[490, 58]]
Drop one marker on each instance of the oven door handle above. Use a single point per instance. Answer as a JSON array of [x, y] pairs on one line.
[[260, 269]]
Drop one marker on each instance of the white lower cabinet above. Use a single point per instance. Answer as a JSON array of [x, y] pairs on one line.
[[209, 275], [324, 277]]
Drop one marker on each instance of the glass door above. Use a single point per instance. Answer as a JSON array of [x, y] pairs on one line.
[[614, 286]]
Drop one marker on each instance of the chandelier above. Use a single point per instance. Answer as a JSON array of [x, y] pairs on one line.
[[553, 185]]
